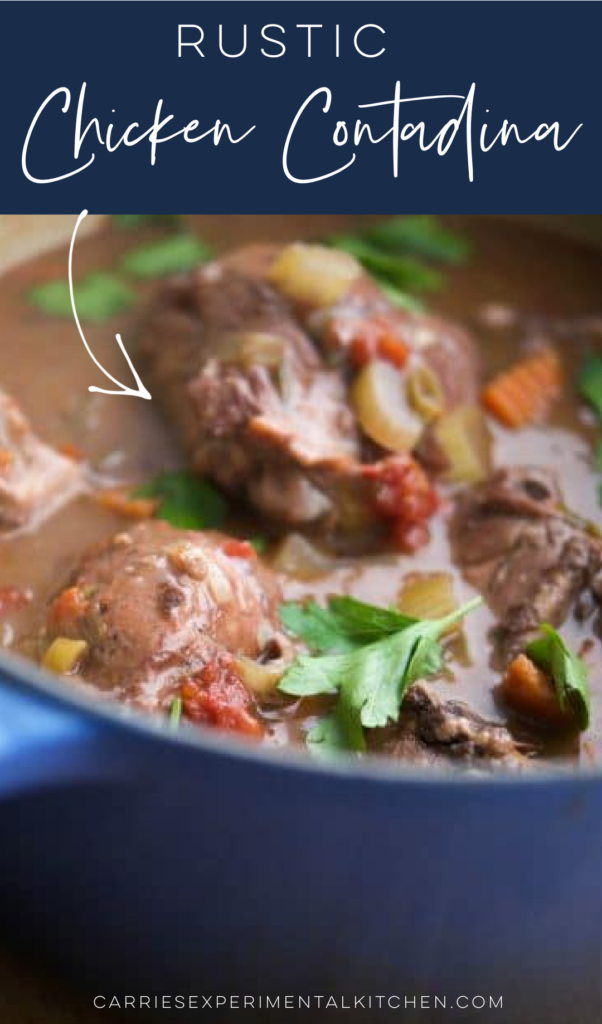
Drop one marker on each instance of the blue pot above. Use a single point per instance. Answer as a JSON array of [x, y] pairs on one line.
[[142, 861]]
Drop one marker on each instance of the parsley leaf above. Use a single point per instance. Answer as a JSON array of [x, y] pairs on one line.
[[343, 625], [422, 235], [139, 220], [589, 383], [98, 297], [186, 500], [167, 256], [334, 735], [397, 297], [382, 653], [394, 252], [399, 270], [589, 386], [259, 544], [569, 673]]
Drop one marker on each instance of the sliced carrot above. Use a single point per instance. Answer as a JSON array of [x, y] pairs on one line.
[[529, 691], [6, 459], [523, 393], [392, 349], [71, 451], [376, 338], [68, 606], [123, 504]]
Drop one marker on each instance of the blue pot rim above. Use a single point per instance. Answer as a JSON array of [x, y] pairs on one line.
[[53, 693]]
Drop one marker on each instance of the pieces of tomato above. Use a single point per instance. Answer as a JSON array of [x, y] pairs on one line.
[[217, 697]]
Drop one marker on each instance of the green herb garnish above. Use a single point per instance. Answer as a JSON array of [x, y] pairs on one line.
[[568, 672], [589, 386], [139, 220], [589, 383], [175, 713], [186, 500], [98, 297], [399, 254], [380, 654], [422, 235], [344, 625], [401, 271], [167, 256], [259, 544], [397, 297]]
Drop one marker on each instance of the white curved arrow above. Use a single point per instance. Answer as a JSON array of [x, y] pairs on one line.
[[141, 391]]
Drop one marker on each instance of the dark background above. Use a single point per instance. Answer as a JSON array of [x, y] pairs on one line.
[[532, 62]]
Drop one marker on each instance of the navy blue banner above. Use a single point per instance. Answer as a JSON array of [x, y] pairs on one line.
[[301, 106]]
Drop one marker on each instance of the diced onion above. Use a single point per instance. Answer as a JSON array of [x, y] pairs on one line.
[[296, 556], [425, 392], [286, 379], [63, 655], [427, 595], [465, 441], [382, 407], [260, 678], [253, 348], [313, 274]]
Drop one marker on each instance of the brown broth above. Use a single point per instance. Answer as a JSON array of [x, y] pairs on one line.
[[550, 286]]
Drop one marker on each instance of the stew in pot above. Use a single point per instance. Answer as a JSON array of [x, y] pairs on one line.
[[361, 511]]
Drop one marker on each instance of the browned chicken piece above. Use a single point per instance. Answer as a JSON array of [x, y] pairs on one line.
[[434, 731], [518, 546], [168, 613], [255, 371], [35, 480]]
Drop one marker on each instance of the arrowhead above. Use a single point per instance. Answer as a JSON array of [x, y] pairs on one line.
[[140, 392]]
